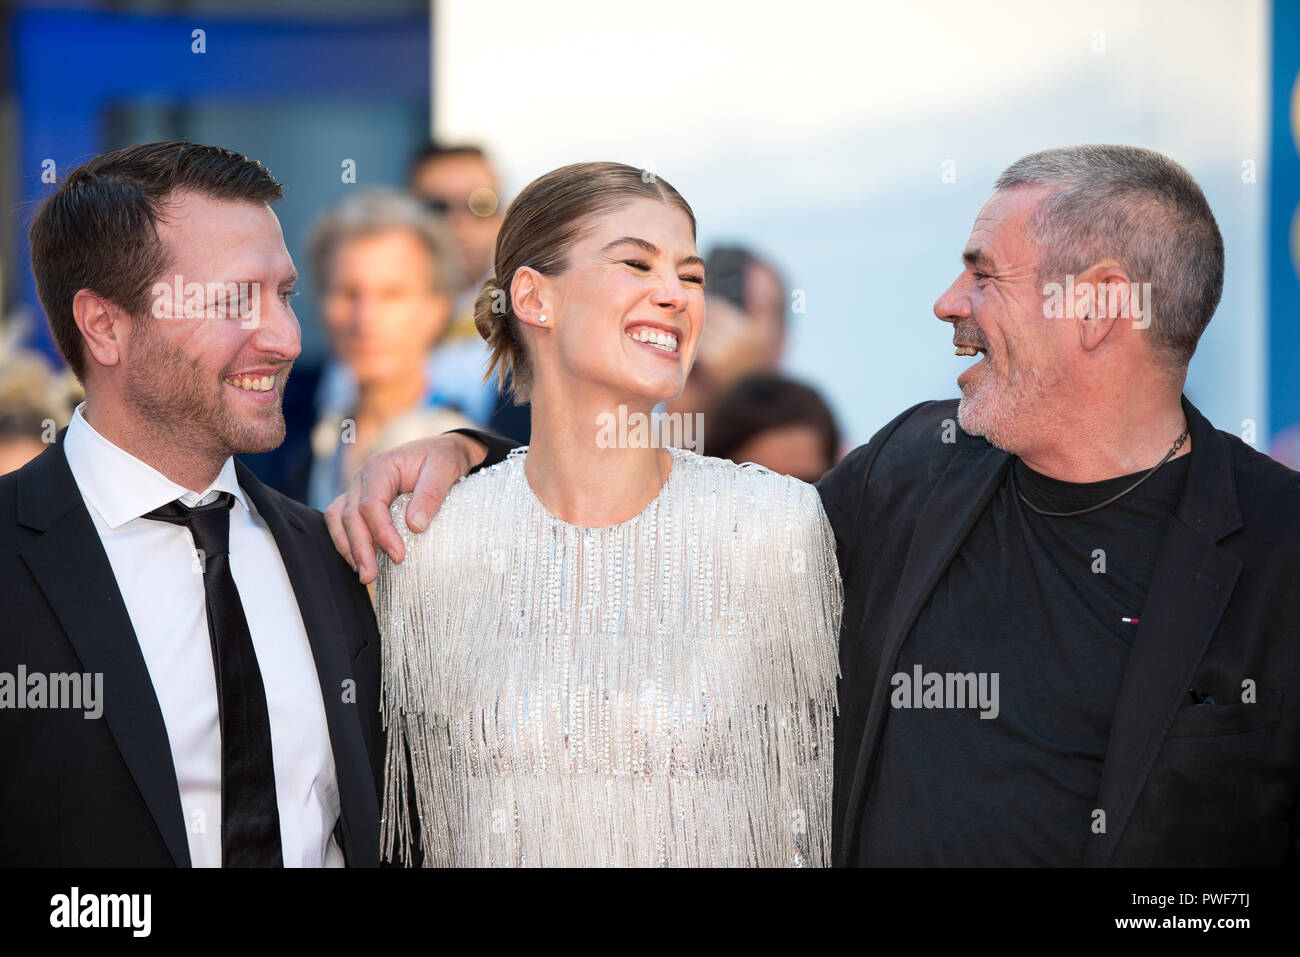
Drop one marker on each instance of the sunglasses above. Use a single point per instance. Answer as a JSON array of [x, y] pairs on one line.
[[483, 202]]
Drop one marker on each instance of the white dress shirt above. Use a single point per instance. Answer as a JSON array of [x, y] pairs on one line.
[[158, 574]]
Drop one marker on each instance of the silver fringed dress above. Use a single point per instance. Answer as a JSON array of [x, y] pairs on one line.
[[654, 693]]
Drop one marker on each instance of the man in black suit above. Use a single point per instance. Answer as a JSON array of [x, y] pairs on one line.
[[1071, 632], [231, 658]]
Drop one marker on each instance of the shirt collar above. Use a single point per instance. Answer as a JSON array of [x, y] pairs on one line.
[[120, 487]]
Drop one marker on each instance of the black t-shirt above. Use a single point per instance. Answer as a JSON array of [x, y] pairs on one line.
[[1042, 611]]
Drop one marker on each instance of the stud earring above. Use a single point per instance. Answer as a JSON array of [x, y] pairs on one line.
[[542, 317]]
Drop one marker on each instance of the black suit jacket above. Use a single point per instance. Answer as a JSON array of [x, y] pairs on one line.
[[78, 792], [1182, 784]]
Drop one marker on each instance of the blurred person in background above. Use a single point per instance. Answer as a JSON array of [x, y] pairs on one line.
[[34, 401], [779, 423], [746, 331], [755, 286], [385, 267], [459, 183]]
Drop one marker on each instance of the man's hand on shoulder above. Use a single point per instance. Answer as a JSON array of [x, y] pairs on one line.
[[359, 520]]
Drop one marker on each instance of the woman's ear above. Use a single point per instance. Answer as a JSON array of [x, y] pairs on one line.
[[528, 297]]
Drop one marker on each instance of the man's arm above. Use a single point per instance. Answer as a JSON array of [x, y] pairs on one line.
[[359, 520], [498, 446]]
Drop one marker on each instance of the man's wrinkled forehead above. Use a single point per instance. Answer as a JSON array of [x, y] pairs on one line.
[[1001, 227]]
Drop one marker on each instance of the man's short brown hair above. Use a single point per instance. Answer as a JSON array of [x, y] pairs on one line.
[[99, 229]]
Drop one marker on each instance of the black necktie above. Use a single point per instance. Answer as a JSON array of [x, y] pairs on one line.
[[250, 819]]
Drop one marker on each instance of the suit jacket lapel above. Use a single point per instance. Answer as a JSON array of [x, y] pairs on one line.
[[329, 646], [71, 567], [1190, 588], [956, 500]]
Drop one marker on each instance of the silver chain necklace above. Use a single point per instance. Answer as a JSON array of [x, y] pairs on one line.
[[1178, 444]]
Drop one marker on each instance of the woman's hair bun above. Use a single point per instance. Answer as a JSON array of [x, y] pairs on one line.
[[489, 319]]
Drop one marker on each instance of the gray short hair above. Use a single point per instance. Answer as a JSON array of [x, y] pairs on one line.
[[1140, 208], [370, 211]]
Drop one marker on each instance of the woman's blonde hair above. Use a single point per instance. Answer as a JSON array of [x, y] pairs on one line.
[[540, 227]]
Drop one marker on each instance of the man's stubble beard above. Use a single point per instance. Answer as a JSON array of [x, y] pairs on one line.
[[167, 389], [1001, 409]]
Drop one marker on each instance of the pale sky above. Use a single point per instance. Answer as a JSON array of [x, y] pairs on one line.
[[818, 132]]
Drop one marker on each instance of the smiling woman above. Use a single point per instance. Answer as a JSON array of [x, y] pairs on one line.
[[659, 627], [547, 221]]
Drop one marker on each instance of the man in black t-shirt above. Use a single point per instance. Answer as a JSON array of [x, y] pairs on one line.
[[1075, 536], [1051, 606]]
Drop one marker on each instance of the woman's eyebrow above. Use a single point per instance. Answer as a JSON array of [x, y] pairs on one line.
[[651, 248]]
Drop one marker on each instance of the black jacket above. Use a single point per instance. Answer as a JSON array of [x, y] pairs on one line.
[[1182, 785], [77, 792]]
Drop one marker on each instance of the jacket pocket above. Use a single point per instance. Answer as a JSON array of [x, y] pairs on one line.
[[1209, 720]]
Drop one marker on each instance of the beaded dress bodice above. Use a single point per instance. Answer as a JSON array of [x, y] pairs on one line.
[[657, 692]]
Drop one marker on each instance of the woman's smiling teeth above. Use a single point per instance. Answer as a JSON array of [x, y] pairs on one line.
[[655, 337], [261, 383]]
